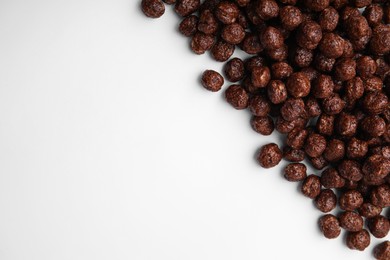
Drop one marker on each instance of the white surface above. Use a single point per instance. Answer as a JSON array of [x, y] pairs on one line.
[[110, 149]]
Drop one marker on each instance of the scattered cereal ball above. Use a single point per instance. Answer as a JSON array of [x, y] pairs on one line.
[[351, 221], [269, 155], [311, 186], [329, 226], [382, 251], [379, 226], [358, 240], [212, 80], [295, 172], [153, 8]]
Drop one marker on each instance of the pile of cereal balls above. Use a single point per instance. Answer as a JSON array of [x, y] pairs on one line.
[[319, 72]]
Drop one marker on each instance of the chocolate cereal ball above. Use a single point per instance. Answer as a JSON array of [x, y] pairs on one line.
[[234, 70], [345, 69], [259, 106], [325, 124], [315, 145], [356, 148], [382, 251], [379, 226], [153, 8], [375, 102], [330, 179], [369, 210], [233, 33], [290, 17], [328, 19], [212, 80], [292, 109], [351, 221], [332, 45], [326, 201], [374, 14], [309, 35], [296, 138], [323, 86], [271, 38], [207, 24], [186, 7], [334, 151], [311, 186], [350, 200], [358, 240], [295, 172], [380, 196], [237, 97], [260, 77], [276, 91], [262, 124], [200, 43], [227, 12], [317, 5], [188, 25], [329, 226], [380, 41], [298, 85], [350, 170], [269, 155], [222, 51], [267, 9]]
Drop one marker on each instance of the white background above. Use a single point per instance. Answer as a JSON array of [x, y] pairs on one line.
[[110, 149]]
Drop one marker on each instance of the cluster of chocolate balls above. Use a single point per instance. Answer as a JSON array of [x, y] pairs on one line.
[[319, 73]]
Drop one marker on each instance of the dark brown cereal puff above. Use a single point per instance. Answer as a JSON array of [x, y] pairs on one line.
[[329, 226], [379, 226], [358, 240], [309, 35], [346, 124], [374, 14], [207, 24], [319, 162], [380, 41], [380, 196], [200, 43], [298, 85], [222, 51], [276, 91], [153, 8], [188, 25], [293, 155], [260, 76], [345, 69], [251, 44], [212, 80], [227, 12], [281, 70], [263, 124], [369, 210], [313, 108], [356, 148], [290, 17], [259, 106], [328, 19], [354, 89], [302, 57], [373, 126], [279, 54], [323, 86], [237, 97], [296, 138], [350, 200], [295, 172], [186, 7], [292, 109], [234, 70], [356, 26], [382, 251], [269, 155], [271, 38], [350, 170], [311, 186], [267, 9], [351, 221], [376, 167], [334, 151], [315, 145], [323, 63], [326, 201], [330, 179], [317, 5], [233, 33], [375, 102], [332, 45]]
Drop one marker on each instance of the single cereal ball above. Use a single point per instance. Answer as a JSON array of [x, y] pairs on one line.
[[315, 145], [201, 42], [260, 77], [325, 124], [279, 54], [187, 27], [186, 7], [326, 201], [332, 45], [323, 86], [379, 226], [317, 5], [292, 109], [212, 80], [263, 124], [356, 148], [365, 66], [259, 106], [358, 240], [375, 102], [333, 104], [373, 126], [222, 51], [323, 63], [345, 69], [351, 221], [369, 210], [380, 41], [269, 155], [290, 17], [296, 138], [267, 9], [328, 19], [376, 167], [356, 26], [350, 170], [350, 200], [329, 226], [298, 85], [153, 8], [334, 151], [309, 35], [346, 124], [227, 12], [380, 196], [234, 70], [311, 186], [276, 91], [330, 179], [293, 155], [237, 97], [319, 162], [251, 44], [302, 57], [233, 33], [313, 108], [207, 24], [295, 172], [271, 38], [374, 14], [349, 51], [382, 251]]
